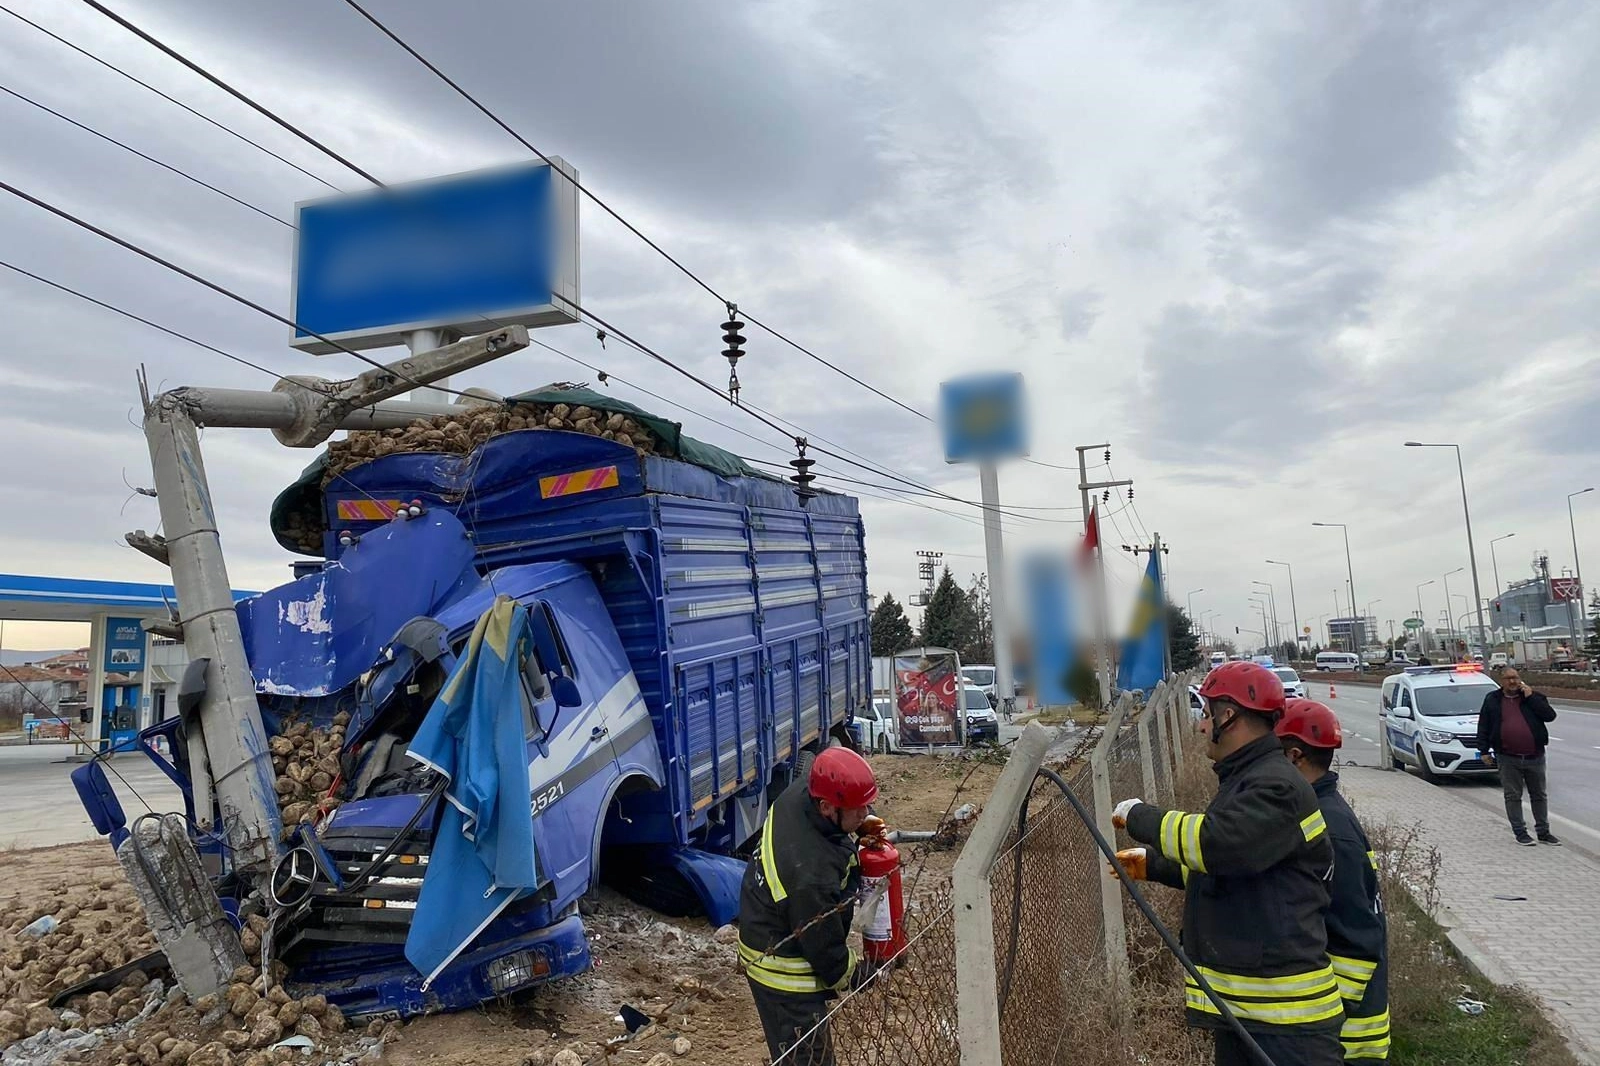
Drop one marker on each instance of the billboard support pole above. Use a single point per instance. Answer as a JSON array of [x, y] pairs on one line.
[[999, 622]]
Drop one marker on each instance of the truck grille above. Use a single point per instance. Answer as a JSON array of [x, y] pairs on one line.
[[379, 912]]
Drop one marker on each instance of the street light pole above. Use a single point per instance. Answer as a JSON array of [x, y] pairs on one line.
[[1448, 624], [1496, 562], [1351, 574], [1294, 611], [1272, 601], [1423, 633], [1189, 600], [1472, 556], [1583, 605]]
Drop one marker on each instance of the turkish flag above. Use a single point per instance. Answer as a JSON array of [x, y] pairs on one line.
[[1091, 539]]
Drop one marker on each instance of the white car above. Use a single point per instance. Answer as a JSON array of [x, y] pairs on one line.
[[876, 729], [1293, 687], [1429, 717], [981, 722], [1197, 703]]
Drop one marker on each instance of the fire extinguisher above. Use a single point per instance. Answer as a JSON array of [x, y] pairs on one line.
[[883, 929]]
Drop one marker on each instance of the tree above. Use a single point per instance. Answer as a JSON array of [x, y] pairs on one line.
[[949, 620], [1083, 684], [1185, 641], [1286, 652], [891, 629]]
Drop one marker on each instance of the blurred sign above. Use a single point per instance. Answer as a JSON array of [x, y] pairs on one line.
[[124, 646], [1306, 630], [927, 697], [982, 417], [470, 252], [1414, 623], [1565, 588]]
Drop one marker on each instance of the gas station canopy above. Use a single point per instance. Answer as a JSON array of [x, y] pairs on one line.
[[70, 599]]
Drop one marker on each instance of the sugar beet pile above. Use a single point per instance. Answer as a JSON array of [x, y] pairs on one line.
[[459, 434]]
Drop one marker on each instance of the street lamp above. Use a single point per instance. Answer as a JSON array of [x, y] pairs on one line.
[[1190, 599], [1472, 555], [1260, 604], [1448, 624], [1422, 635], [1294, 611], [1583, 607], [1496, 562], [1349, 572], [1272, 599]]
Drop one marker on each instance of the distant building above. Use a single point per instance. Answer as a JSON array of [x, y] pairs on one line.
[[1363, 629], [1527, 605]]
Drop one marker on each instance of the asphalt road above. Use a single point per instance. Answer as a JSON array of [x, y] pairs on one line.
[[1573, 759], [39, 807]]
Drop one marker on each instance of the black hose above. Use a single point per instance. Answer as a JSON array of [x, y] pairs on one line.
[[1145, 909], [383, 857]]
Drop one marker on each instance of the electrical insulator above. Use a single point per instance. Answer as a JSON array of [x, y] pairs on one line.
[[734, 341], [802, 475], [1130, 492], [1108, 455], [1105, 497]]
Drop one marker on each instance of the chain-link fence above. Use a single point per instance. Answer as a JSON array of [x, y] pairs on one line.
[[1028, 955]]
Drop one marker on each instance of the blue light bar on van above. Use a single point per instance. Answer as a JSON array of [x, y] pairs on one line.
[[1453, 668]]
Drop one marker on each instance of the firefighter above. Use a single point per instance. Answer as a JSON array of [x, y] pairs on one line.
[[1358, 932], [797, 902], [1254, 866]]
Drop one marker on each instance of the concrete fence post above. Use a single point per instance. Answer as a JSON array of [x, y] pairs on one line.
[[977, 992], [1116, 930], [1163, 745], [1147, 762]]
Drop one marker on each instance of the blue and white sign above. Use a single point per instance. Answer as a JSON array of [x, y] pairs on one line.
[[983, 417], [465, 253], [124, 646]]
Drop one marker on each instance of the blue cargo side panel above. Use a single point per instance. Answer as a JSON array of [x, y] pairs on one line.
[[719, 700]]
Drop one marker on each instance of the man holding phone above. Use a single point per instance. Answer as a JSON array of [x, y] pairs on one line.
[[1512, 735]]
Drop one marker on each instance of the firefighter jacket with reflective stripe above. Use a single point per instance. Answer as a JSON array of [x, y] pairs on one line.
[[1255, 867], [1358, 931], [798, 899]]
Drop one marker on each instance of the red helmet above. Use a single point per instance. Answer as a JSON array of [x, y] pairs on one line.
[[843, 778], [1311, 723], [1250, 685]]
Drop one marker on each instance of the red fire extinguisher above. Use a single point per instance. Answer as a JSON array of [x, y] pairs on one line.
[[883, 931]]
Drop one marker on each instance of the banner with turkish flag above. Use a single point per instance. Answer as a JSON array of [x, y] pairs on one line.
[[928, 697]]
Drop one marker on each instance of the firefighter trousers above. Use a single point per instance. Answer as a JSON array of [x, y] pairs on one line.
[[1291, 1048], [791, 1021]]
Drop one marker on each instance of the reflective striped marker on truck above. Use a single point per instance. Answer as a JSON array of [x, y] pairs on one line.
[[369, 510], [601, 477]]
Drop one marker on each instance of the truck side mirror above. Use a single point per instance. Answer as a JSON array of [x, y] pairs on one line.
[[565, 691]]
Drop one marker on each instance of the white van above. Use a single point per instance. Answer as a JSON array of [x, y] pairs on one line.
[[1218, 658], [1337, 660], [1429, 717]]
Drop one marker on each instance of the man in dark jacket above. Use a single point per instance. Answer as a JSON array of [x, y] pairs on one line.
[[1358, 932], [1512, 735], [797, 902], [1254, 867]]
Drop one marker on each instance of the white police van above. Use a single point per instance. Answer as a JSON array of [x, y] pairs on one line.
[[1429, 718]]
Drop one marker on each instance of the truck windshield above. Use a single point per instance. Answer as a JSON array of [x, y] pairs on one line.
[[1451, 701], [978, 675]]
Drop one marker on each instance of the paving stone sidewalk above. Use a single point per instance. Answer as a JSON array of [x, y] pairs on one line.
[[1548, 941]]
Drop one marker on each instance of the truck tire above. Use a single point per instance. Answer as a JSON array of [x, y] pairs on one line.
[[802, 765], [883, 745]]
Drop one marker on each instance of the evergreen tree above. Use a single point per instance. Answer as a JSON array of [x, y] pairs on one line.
[[891, 629], [949, 620], [982, 647], [1185, 641]]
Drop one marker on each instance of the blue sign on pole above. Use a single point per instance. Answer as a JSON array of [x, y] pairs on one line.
[[124, 646], [982, 418], [468, 253]]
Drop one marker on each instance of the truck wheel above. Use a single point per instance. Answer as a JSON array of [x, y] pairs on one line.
[[883, 745], [802, 765]]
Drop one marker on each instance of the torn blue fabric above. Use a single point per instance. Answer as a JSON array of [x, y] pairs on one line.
[[483, 854]]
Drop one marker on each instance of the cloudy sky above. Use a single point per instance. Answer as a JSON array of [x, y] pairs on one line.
[[1254, 246]]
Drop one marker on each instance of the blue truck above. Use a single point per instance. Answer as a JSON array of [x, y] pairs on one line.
[[698, 629]]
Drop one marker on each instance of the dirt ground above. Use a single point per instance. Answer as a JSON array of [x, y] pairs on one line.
[[679, 971]]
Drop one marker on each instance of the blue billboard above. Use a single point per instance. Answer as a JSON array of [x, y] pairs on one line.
[[467, 253], [982, 417]]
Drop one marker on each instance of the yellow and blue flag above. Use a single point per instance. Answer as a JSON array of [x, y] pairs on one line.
[[1144, 652]]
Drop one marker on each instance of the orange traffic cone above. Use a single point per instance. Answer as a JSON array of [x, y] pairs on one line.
[[1333, 691]]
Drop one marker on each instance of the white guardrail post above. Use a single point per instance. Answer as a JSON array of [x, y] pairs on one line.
[[1116, 929]]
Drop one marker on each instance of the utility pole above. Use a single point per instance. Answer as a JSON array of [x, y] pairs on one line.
[[928, 571], [1101, 607], [999, 619]]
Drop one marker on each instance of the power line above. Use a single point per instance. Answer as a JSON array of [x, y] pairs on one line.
[[229, 89], [149, 159], [145, 321], [207, 282], [172, 100]]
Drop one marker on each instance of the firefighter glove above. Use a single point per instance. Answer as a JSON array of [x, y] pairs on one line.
[[1133, 862], [1119, 814]]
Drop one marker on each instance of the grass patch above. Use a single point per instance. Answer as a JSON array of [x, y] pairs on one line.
[[1427, 976]]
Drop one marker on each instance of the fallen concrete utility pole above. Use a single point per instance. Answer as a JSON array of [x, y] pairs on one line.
[[234, 794]]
